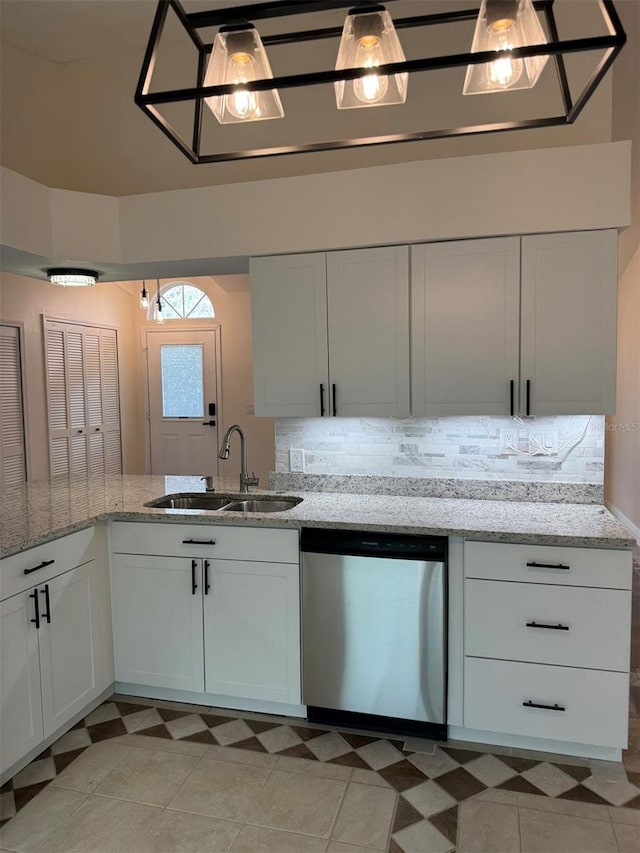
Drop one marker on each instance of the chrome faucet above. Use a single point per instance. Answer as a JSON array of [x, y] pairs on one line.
[[225, 449]]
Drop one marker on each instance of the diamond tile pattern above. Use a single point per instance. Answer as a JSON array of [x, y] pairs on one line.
[[429, 786]]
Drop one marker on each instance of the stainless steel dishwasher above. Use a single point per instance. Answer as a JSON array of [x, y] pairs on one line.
[[374, 630]]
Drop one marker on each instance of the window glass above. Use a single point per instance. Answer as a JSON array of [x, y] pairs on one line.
[[185, 301], [182, 385]]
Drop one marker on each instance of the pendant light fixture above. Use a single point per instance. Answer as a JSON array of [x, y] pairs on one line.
[[68, 277], [239, 57], [503, 25], [144, 298], [157, 307], [369, 40]]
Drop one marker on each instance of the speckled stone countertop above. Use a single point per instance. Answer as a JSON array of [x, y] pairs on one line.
[[44, 510]]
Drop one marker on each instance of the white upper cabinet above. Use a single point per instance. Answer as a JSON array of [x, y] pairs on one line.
[[368, 297], [289, 314], [331, 333], [465, 304], [568, 344]]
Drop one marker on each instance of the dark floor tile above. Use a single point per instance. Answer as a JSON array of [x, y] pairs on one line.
[[64, 759], [350, 759], [577, 773], [583, 795], [406, 815], [308, 734], [201, 737], [461, 755], [518, 764], [8, 786], [298, 751], [521, 785], [169, 714], [104, 731], [633, 804], [251, 743], [213, 720], [447, 823], [460, 784], [356, 741], [79, 725], [403, 775], [393, 847], [633, 777], [157, 731], [46, 753], [259, 726], [127, 708], [22, 796]]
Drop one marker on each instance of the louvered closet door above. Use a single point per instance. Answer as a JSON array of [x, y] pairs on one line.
[[12, 451], [83, 397]]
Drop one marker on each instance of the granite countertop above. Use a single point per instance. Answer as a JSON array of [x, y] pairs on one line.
[[44, 510]]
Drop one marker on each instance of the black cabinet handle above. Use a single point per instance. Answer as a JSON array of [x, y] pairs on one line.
[[528, 385], [512, 404], [207, 585], [208, 423], [554, 707], [333, 391], [198, 541], [41, 566], [97, 429], [80, 432], [194, 585], [534, 565], [47, 613], [321, 400], [34, 595], [557, 627]]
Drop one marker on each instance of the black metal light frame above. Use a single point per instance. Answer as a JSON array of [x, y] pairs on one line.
[[192, 22]]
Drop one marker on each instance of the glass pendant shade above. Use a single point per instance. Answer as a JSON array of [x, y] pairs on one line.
[[238, 57], [501, 26], [369, 40], [144, 298]]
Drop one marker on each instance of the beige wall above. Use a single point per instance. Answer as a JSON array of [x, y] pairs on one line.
[[622, 476], [25, 300]]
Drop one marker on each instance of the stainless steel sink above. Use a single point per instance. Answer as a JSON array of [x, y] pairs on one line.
[[197, 500], [262, 505], [226, 503]]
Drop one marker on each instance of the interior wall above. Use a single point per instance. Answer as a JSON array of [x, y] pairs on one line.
[[25, 300], [233, 315], [622, 475]]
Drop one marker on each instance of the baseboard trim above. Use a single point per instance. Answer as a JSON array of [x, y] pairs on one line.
[[623, 519]]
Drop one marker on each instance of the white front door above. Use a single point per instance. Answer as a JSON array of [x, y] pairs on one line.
[[183, 402]]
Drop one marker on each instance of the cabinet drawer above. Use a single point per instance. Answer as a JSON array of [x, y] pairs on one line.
[[595, 703], [598, 623], [58, 555], [205, 540], [548, 564]]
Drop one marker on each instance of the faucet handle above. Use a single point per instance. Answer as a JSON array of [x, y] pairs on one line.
[[209, 487], [252, 480]]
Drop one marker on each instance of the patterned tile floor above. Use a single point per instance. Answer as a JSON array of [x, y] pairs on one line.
[[170, 777]]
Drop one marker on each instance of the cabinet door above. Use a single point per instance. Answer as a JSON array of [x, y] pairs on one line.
[[252, 630], [21, 712], [289, 316], [569, 286], [157, 621], [465, 327], [368, 298], [69, 645]]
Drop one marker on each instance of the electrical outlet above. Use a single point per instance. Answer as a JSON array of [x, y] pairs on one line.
[[296, 461], [248, 408], [547, 438], [508, 439]]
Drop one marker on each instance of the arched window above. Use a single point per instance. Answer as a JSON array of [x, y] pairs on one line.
[[183, 301]]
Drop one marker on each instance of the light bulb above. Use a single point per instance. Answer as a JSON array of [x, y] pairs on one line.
[[242, 104], [157, 312], [372, 87], [505, 71], [144, 299]]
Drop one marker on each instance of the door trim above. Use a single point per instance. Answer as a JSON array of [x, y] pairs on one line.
[[24, 377], [144, 344]]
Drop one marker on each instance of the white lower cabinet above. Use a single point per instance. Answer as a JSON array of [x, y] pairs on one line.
[[227, 627], [51, 655]]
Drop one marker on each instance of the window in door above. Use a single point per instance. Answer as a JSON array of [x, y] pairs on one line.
[[182, 380], [13, 469]]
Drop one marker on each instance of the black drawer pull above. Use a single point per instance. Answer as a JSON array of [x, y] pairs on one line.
[[198, 541], [47, 613], [528, 396], [207, 585], [34, 595], [335, 407], [41, 566], [194, 585], [512, 401], [535, 565], [554, 707], [321, 400], [557, 627]]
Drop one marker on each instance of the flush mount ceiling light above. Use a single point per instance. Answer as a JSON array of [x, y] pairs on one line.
[[511, 46], [68, 277]]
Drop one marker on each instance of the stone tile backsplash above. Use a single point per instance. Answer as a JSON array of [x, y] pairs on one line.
[[461, 447]]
